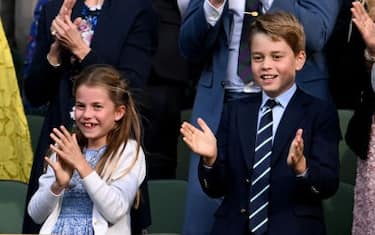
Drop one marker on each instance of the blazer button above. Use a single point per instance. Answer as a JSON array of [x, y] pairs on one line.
[[247, 180], [222, 83], [243, 210]]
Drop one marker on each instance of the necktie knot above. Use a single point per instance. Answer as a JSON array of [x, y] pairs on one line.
[[271, 103]]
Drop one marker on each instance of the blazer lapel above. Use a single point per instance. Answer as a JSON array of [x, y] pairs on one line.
[[247, 127], [288, 125]]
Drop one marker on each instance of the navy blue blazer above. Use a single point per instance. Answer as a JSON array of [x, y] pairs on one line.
[[295, 202], [124, 37]]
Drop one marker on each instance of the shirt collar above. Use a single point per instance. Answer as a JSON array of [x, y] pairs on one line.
[[282, 99]]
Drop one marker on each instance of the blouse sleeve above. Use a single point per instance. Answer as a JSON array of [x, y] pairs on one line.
[[43, 202]]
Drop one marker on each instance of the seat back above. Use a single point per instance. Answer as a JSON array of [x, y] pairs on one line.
[[12, 205], [338, 210], [35, 123], [167, 202], [348, 159], [183, 151]]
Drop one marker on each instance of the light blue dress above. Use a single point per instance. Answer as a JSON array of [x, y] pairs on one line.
[[76, 211]]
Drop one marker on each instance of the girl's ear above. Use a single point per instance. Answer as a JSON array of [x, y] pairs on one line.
[[120, 112]]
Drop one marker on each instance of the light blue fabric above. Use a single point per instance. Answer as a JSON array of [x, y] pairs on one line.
[[76, 212]]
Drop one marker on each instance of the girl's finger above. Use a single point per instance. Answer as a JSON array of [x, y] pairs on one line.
[[50, 163], [66, 133], [62, 136]]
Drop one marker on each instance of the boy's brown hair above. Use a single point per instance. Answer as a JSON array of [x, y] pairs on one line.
[[280, 25]]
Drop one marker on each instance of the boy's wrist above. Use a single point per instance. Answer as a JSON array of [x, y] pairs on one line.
[[300, 167], [208, 161]]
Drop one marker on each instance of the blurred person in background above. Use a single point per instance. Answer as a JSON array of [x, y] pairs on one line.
[[16, 154]]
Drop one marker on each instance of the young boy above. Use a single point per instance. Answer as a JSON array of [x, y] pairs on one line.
[[275, 157]]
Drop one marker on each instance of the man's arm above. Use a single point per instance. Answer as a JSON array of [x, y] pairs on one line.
[[201, 29]]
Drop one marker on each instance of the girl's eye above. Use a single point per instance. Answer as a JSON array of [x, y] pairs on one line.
[[80, 106], [277, 57]]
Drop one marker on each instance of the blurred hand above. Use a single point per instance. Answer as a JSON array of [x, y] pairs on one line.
[[365, 25], [69, 36], [296, 159], [66, 8], [200, 141]]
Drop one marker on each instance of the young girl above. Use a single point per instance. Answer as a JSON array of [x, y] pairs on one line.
[[93, 175]]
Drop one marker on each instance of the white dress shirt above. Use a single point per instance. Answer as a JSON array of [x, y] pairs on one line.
[[278, 110], [233, 81]]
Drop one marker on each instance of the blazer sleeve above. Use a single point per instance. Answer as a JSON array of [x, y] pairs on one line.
[[318, 18], [322, 156], [214, 180]]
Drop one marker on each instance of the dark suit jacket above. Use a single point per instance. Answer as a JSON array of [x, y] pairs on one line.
[[295, 202], [124, 38]]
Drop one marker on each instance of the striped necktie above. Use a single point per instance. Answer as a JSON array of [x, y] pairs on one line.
[[244, 69], [260, 183]]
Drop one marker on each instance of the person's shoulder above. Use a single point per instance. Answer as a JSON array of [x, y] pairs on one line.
[[314, 102]]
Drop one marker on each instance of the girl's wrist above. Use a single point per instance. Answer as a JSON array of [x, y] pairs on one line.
[[84, 169], [56, 188]]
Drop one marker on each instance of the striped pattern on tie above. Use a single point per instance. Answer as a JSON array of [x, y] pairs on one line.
[[259, 190]]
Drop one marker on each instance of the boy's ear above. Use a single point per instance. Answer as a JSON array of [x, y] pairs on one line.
[[120, 112], [300, 60]]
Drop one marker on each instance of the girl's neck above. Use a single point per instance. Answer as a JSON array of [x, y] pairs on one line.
[[95, 148], [94, 144]]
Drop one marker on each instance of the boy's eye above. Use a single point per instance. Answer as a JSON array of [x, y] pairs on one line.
[[257, 58], [277, 57], [98, 106]]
